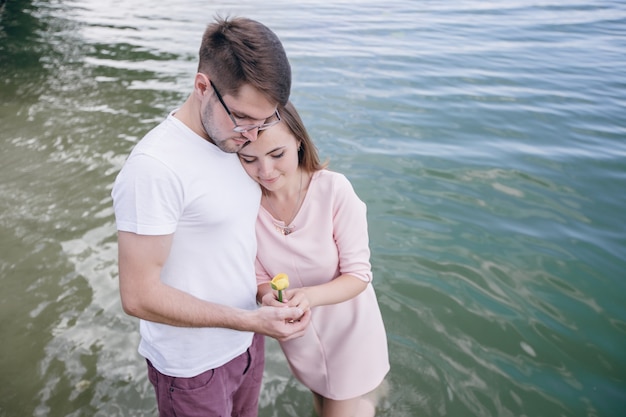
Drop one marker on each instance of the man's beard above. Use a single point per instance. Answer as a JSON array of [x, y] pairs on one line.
[[226, 144]]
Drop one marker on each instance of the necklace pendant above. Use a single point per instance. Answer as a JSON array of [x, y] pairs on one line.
[[285, 230]]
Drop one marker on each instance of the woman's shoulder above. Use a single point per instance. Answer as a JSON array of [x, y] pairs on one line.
[[331, 185], [330, 177]]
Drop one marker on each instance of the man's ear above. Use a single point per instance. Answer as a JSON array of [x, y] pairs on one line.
[[201, 85]]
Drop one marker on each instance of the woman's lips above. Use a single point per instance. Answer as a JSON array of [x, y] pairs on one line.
[[268, 180]]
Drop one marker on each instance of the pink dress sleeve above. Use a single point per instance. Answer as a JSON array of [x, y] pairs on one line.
[[350, 231]]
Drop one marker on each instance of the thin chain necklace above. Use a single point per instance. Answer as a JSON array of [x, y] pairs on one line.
[[286, 230]]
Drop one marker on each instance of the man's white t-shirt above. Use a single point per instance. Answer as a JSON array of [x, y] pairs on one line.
[[176, 182]]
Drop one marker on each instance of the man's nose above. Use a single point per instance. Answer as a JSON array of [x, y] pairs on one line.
[[251, 134]]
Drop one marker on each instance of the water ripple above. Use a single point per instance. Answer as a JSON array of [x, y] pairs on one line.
[[487, 140]]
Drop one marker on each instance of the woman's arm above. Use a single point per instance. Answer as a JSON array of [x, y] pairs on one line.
[[340, 289]]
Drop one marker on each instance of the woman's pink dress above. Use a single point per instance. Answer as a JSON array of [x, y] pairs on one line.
[[344, 351]]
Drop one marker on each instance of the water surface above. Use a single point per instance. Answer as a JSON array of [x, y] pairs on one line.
[[488, 140]]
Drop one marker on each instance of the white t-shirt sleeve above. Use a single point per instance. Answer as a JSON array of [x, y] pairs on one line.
[[147, 197]]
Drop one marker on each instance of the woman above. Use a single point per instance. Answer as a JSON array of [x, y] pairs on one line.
[[313, 227]]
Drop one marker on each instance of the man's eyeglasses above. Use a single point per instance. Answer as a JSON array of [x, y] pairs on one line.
[[273, 120]]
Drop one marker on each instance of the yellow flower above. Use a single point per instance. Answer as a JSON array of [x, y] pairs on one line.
[[280, 282]]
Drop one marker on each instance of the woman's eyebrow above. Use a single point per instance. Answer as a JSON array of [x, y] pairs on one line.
[[278, 148]]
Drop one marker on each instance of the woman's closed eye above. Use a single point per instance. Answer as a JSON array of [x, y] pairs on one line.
[[247, 159], [275, 154]]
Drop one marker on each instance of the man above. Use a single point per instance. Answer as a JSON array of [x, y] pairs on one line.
[[185, 212]]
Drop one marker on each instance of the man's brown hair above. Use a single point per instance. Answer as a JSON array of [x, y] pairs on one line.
[[241, 51]]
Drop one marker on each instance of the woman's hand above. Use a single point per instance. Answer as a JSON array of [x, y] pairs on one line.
[[291, 298], [270, 298], [297, 297]]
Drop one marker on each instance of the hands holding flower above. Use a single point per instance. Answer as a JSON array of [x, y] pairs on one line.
[[292, 298]]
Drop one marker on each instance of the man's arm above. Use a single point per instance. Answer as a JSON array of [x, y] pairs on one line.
[[143, 295]]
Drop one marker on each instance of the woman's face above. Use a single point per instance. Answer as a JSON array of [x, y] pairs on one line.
[[272, 159]]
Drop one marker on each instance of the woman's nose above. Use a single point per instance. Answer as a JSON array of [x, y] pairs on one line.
[[265, 168]]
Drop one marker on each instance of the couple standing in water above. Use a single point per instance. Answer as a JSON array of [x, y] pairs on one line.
[[195, 229]]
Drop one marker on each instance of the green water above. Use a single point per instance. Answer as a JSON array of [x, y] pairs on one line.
[[487, 139]]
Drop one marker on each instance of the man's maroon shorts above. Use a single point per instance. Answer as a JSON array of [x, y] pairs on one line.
[[230, 390]]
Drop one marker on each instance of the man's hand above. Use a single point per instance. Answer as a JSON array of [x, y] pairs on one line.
[[282, 322]]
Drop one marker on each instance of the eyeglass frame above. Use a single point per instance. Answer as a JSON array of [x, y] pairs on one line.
[[244, 128]]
